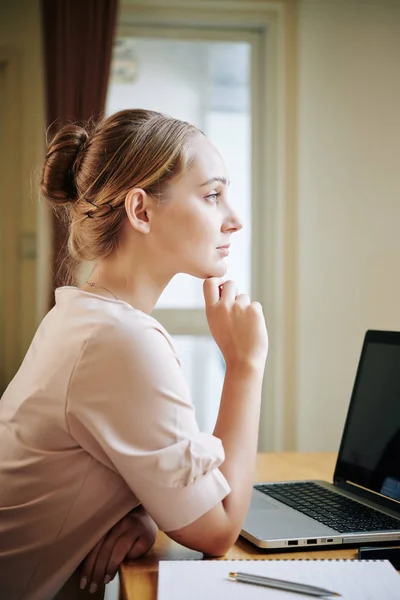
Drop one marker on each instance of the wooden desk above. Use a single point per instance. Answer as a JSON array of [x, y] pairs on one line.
[[139, 577]]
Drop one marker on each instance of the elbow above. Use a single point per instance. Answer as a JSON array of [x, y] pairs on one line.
[[218, 545], [216, 552], [213, 534], [214, 544]]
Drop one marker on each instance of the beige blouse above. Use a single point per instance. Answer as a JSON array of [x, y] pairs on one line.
[[97, 420]]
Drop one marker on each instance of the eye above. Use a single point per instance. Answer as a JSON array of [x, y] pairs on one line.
[[213, 197]]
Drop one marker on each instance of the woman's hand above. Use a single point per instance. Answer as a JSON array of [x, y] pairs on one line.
[[236, 324], [131, 537]]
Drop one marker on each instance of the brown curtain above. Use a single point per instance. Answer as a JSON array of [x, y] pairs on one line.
[[77, 40]]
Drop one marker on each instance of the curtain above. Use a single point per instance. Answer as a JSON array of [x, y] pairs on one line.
[[77, 42]]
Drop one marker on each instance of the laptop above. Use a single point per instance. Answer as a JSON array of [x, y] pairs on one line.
[[362, 505]]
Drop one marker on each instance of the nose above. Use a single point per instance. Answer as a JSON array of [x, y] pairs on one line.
[[232, 222]]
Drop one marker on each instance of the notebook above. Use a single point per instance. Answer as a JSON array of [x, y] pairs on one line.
[[208, 579], [362, 505]]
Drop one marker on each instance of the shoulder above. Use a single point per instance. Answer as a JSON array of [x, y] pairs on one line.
[[106, 326], [134, 331], [133, 340]]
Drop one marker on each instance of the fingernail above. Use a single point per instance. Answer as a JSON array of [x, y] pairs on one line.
[[82, 583], [107, 579], [93, 588]]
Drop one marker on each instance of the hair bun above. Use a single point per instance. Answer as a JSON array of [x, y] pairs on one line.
[[58, 178]]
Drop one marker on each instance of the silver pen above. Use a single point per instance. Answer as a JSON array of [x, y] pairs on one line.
[[279, 584]]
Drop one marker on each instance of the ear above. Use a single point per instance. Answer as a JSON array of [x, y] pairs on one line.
[[139, 207]]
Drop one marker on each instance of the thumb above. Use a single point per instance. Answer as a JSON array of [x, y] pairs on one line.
[[211, 290]]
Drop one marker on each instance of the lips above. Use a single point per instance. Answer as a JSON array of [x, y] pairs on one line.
[[224, 250]]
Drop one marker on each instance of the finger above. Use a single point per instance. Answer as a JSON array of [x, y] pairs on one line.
[[211, 291], [229, 291], [99, 570], [100, 558], [121, 549], [243, 300], [89, 563], [140, 547], [257, 306]]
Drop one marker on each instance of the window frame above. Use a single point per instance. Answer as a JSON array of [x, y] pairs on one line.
[[270, 28]]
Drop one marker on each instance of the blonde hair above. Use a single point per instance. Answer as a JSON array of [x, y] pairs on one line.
[[89, 170]]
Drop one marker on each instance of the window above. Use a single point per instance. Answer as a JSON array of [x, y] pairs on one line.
[[205, 82]]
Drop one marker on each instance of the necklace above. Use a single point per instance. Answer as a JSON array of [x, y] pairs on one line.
[[102, 288]]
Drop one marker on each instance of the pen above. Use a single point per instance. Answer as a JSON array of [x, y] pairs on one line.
[[279, 584]]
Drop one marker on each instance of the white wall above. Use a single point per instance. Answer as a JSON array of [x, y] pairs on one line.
[[348, 200]]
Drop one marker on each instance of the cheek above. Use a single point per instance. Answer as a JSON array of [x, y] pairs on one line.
[[195, 227], [189, 228]]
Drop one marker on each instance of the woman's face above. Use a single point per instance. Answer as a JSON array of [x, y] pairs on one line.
[[191, 228]]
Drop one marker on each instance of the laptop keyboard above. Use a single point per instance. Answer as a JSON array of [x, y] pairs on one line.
[[334, 510]]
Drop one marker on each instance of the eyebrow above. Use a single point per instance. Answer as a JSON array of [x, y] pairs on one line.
[[213, 179]]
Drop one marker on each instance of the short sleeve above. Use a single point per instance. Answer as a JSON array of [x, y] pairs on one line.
[[129, 406]]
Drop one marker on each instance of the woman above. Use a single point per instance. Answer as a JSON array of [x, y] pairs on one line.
[[98, 439]]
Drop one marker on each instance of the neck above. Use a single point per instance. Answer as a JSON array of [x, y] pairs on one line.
[[138, 286]]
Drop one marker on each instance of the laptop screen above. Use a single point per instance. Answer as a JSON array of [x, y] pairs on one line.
[[369, 454]]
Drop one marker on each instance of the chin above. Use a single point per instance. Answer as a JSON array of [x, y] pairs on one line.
[[206, 271], [216, 271]]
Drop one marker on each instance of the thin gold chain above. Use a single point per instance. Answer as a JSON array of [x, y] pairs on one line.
[[102, 288]]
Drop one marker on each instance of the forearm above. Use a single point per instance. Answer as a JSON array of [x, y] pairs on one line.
[[238, 327], [237, 426]]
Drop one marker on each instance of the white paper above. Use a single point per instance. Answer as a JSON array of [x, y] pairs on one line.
[[209, 579]]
